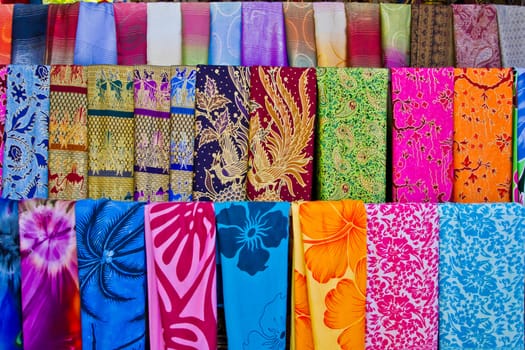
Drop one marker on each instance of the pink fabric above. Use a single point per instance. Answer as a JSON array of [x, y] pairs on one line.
[[402, 281], [423, 124], [180, 246], [131, 27]]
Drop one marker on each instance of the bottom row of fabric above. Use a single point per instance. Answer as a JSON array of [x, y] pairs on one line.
[[100, 274]]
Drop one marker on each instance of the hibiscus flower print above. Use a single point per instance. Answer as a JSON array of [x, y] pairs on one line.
[[271, 334]]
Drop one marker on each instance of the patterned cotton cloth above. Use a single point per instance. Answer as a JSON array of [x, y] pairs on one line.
[[29, 34], [511, 35], [351, 139], [225, 33], [49, 268], [422, 126], [180, 243], [330, 34], [62, 21], [6, 27], [402, 286], [482, 134], [3, 112], [363, 35], [481, 284], [518, 184], [282, 122], [195, 32], [164, 34], [300, 34], [395, 34], [131, 28]]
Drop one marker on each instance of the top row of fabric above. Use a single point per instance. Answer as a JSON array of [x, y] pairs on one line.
[[323, 34]]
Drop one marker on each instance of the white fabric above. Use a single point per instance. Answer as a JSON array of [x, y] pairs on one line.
[[164, 34]]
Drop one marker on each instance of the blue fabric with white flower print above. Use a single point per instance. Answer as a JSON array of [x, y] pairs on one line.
[[253, 246], [481, 269]]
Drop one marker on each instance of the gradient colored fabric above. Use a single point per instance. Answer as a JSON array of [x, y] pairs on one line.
[[3, 112], [300, 34], [395, 34], [334, 255], [481, 285], [351, 137], [96, 46], [221, 133], [363, 33], [195, 32], [29, 34], [112, 274], [152, 133], [422, 127], [253, 247], [6, 30], [518, 184], [10, 280], [68, 133], [282, 119], [62, 21], [111, 132], [402, 269], [225, 33], [131, 27], [164, 34], [24, 172], [431, 36], [263, 34], [182, 133], [476, 36], [483, 112], [180, 242], [330, 34], [511, 29], [49, 268]]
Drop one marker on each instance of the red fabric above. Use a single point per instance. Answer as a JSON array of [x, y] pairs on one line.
[[363, 35], [131, 25], [62, 23]]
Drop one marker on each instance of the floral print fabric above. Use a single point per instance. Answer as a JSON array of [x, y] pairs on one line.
[[518, 189]]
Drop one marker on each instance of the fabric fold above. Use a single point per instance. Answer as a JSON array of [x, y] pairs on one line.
[[330, 34], [62, 22], [300, 34], [29, 34], [131, 33], [225, 33], [164, 34], [511, 30], [363, 35], [518, 184], [195, 32], [6, 28], [395, 34]]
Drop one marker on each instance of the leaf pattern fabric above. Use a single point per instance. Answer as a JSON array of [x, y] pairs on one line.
[[112, 274], [402, 286], [180, 244], [300, 34], [330, 34], [3, 113], [363, 35], [351, 134], [281, 136], [50, 284], [422, 126], [481, 285], [25, 169], [482, 134], [518, 187], [395, 34]]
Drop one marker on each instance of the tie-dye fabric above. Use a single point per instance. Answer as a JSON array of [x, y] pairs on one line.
[[518, 189], [330, 34], [395, 34], [300, 34], [195, 32], [363, 35], [3, 112], [225, 33]]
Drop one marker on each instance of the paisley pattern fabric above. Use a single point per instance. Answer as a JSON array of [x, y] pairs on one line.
[[225, 33], [111, 132], [481, 285], [422, 126], [330, 34], [511, 35], [363, 35], [164, 30], [253, 247], [68, 135], [131, 27], [3, 112], [195, 32], [152, 133], [395, 34], [180, 243], [300, 34], [112, 274], [6, 27], [25, 172], [282, 122], [29, 34], [518, 185], [402, 286], [351, 139], [62, 21], [50, 286], [221, 133], [482, 135]]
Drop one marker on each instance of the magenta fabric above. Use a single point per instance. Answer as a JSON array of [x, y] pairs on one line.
[[423, 125], [402, 279], [131, 26]]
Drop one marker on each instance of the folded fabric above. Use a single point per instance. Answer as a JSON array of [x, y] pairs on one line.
[[511, 35], [164, 34], [422, 134], [402, 267], [300, 34], [180, 243], [96, 46], [62, 22], [6, 28], [363, 35], [481, 284], [112, 274], [29, 34], [25, 172], [49, 268], [195, 32], [225, 33], [253, 247], [330, 34], [282, 118], [131, 29], [263, 34], [182, 133], [518, 184], [152, 133], [395, 34], [68, 133], [3, 112], [351, 137], [221, 133], [483, 112]]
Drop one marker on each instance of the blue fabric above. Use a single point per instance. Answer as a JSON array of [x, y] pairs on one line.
[[519, 192], [253, 245], [481, 269], [96, 41], [29, 34], [24, 172], [112, 274], [225, 33]]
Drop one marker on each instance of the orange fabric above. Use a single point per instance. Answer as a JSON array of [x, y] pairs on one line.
[[6, 27], [482, 134]]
